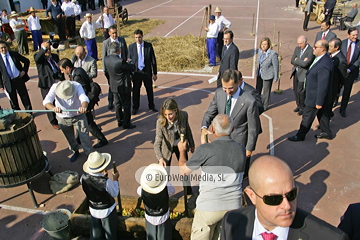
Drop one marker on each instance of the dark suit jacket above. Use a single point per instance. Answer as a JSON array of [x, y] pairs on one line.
[[340, 65], [119, 73], [79, 75], [329, 5], [45, 72], [250, 89], [229, 60], [350, 222], [21, 63], [245, 117], [149, 58], [355, 60], [239, 224], [299, 63], [329, 36], [319, 82], [106, 48]]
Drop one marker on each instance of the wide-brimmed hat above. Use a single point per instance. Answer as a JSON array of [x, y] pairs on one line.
[[65, 89], [73, 1], [88, 15], [217, 9], [13, 14], [154, 178], [32, 9], [96, 162]]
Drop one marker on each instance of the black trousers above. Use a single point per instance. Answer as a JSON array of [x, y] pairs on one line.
[[123, 101], [308, 118], [299, 92], [18, 87], [93, 127], [219, 44], [60, 27], [91, 4], [51, 115], [45, 4], [328, 17], [348, 84], [70, 23], [138, 79], [106, 34], [110, 94], [83, 5], [306, 20]]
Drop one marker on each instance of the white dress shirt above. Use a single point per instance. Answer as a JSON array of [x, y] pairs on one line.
[[68, 8], [222, 22], [87, 30], [33, 23], [4, 19], [14, 70], [213, 30], [281, 232], [14, 22], [77, 9], [108, 20], [72, 103]]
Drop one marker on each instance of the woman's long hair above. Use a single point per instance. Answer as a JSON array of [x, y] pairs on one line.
[[169, 104]]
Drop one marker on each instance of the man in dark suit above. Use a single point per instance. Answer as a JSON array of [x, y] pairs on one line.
[[13, 75], [56, 15], [119, 72], [229, 57], [49, 73], [106, 51], [318, 93], [275, 215], [80, 76], [240, 106], [143, 56], [325, 32], [301, 59], [350, 222], [340, 66], [350, 47], [329, 9]]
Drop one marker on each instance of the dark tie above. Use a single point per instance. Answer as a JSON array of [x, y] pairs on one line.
[[268, 236], [53, 65], [228, 106], [8, 67], [224, 50], [348, 53]]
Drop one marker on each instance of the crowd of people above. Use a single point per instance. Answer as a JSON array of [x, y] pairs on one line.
[[68, 89]]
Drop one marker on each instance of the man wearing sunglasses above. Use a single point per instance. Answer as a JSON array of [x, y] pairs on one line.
[[275, 215]]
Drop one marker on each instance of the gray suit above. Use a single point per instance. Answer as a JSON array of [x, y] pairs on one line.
[[268, 70], [229, 60], [328, 37], [88, 64], [299, 73], [245, 117]]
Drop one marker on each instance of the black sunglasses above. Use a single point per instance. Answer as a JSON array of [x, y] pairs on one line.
[[274, 200]]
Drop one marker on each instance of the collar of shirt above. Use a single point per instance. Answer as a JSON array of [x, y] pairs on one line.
[[242, 85], [281, 232], [349, 41], [235, 95], [112, 40], [334, 54], [227, 46], [303, 50], [97, 174], [319, 57], [326, 33], [3, 55], [142, 44]]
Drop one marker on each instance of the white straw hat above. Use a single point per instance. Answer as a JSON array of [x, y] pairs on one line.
[[217, 9], [65, 89], [96, 162], [154, 178]]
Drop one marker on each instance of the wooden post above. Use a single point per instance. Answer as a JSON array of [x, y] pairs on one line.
[[274, 39], [182, 139], [203, 20], [278, 90], [252, 28], [117, 19], [209, 10], [118, 196]]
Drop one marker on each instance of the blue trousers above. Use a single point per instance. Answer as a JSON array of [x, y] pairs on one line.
[[92, 48], [211, 49], [37, 38]]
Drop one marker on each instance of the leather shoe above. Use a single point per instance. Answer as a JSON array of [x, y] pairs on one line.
[[300, 112], [154, 109], [120, 124], [56, 127], [323, 135], [296, 109], [134, 112], [296, 138], [101, 143], [74, 156], [131, 126], [110, 106], [343, 113], [335, 104]]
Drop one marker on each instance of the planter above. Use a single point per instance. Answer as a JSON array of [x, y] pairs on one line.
[[133, 226]]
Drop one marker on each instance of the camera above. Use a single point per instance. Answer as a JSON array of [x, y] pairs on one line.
[[53, 43]]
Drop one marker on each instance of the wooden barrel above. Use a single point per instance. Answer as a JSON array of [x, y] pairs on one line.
[[21, 155]]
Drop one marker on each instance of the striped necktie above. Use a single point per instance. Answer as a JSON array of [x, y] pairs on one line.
[[228, 106], [268, 236]]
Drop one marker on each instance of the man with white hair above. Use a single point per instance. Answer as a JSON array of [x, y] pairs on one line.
[[223, 155]]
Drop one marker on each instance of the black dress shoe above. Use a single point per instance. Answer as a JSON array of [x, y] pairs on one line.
[[296, 109], [134, 112], [101, 143], [323, 135], [120, 124], [131, 126], [110, 106], [300, 112], [154, 109], [296, 138], [343, 113], [335, 104]]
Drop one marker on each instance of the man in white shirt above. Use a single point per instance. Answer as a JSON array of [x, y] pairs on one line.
[[69, 11], [224, 24], [17, 26], [106, 21], [211, 36], [87, 31], [77, 10], [5, 27], [70, 95], [33, 22], [275, 215]]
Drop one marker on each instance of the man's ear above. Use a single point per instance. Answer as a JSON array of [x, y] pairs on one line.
[[212, 129], [251, 194]]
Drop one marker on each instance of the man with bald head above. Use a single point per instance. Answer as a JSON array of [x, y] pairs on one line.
[[275, 215], [85, 61], [318, 89], [219, 196], [301, 59]]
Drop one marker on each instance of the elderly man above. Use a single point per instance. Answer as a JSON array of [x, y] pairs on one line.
[[106, 21], [106, 51], [87, 31], [275, 215], [18, 26], [215, 198], [301, 59], [85, 61], [70, 95], [318, 93], [224, 24], [34, 26], [56, 16], [325, 32], [349, 17], [69, 10]]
